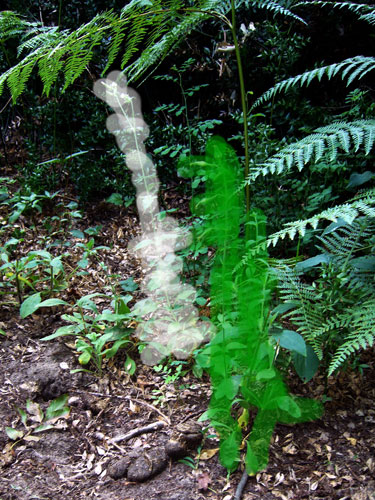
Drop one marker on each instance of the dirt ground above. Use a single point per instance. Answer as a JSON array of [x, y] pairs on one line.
[[331, 458]]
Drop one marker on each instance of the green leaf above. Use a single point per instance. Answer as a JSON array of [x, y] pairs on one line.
[[201, 301], [116, 199], [335, 225], [60, 332], [227, 388], [84, 358], [128, 285], [292, 341], [13, 433], [43, 427], [77, 234], [23, 415], [86, 302], [365, 263], [314, 261], [30, 305], [79, 370], [109, 316], [306, 366], [122, 308], [109, 353], [251, 461], [41, 253], [56, 406], [57, 265], [53, 302], [130, 365], [83, 263], [266, 374], [283, 308], [229, 451], [287, 404], [359, 179], [15, 215]]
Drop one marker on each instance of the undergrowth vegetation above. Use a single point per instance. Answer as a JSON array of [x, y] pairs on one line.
[[304, 136]]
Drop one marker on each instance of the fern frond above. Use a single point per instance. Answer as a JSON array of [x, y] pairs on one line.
[[364, 12], [49, 69], [39, 36], [276, 9], [329, 139], [355, 311], [155, 52], [368, 18], [353, 68], [362, 335], [80, 57], [348, 212], [307, 314], [12, 25], [344, 244], [156, 27]]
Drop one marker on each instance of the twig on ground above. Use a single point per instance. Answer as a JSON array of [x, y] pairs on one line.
[[136, 432], [191, 415], [241, 485]]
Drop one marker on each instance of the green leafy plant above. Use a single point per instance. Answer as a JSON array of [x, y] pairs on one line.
[[330, 296], [93, 330], [22, 203], [4, 189], [171, 371], [88, 247], [40, 421], [37, 269], [59, 225], [240, 356], [193, 462]]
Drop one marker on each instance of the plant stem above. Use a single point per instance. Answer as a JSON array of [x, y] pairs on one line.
[[243, 103], [19, 292]]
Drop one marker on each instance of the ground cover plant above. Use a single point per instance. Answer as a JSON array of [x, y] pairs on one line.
[[322, 303]]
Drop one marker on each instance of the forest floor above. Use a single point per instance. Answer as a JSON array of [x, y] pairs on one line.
[[331, 458]]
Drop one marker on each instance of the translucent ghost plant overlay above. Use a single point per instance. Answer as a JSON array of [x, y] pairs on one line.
[[170, 322]]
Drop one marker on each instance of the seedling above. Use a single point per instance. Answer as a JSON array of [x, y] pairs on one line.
[[35, 420], [93, 331]]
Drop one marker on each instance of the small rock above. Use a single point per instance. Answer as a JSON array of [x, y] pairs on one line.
[[148, 464], [118, 469], [175, 448], [187, 435], [190, 432]]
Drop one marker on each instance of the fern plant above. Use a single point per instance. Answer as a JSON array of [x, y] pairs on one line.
[[326, 142], [334, 311]]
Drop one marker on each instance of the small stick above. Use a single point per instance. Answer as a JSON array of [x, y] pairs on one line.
[[136, 432], [241, 485]]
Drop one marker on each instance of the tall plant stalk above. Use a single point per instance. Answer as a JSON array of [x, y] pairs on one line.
[[243, 102], [240, 357]]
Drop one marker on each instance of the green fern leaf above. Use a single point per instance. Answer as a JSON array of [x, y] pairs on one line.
[[348, 212], [275, 8], [365, 64], [328, 139]]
